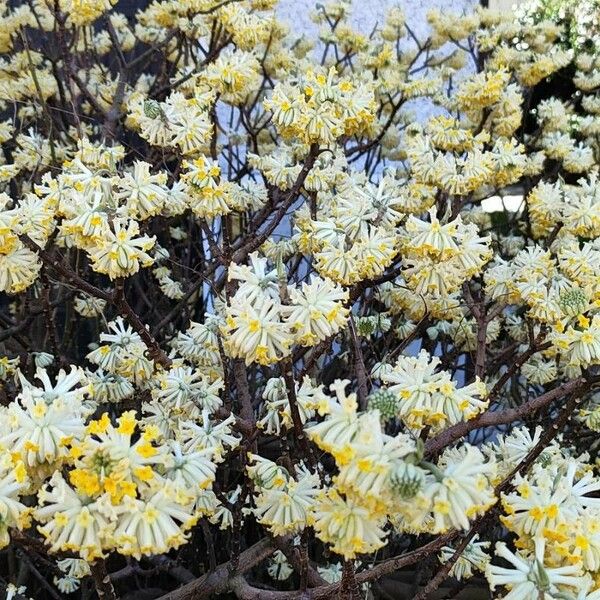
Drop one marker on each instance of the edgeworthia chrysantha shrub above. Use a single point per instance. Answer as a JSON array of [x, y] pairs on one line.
[[261, 333]]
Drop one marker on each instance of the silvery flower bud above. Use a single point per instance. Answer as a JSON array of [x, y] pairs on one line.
[[407, 480], [152, 109], [573, 302]]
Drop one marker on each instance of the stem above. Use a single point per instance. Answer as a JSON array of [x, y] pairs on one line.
[[102, 581]]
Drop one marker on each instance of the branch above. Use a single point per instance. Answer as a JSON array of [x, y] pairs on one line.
[[218, 581], [519, 361], [522, 467], [501, 417], [362, 387], [155, 352], [104, 586], [257, 240]]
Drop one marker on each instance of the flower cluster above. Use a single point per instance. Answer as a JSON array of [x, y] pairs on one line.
[[427, 397]]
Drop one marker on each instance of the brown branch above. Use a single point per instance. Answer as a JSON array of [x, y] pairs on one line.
[[104, 586], [518, 362], [491, 417], [505, 484], [244, 591], [218, 581], [240, 375], [362, 386], [155, 352], [171, 566], [86, 93], [257, 239], [39, 576], [296, 558], [55, 262]]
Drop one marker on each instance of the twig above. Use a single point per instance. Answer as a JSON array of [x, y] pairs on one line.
[[501, 417], [104, 586]]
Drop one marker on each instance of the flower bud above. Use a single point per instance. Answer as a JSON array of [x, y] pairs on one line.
[[385, 402], [407, 480]]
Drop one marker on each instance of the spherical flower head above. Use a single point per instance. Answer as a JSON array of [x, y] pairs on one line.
[[110, 462], [19, 268], [473, 557], [40, 431], [279, 568], [460, 488], [255, 331], [85, 12], [120, 253], [155, 523], [346, 525], [71, 522], [341, 424], [316, 310]]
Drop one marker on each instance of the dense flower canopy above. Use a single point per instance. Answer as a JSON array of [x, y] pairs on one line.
[[261, 332]]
